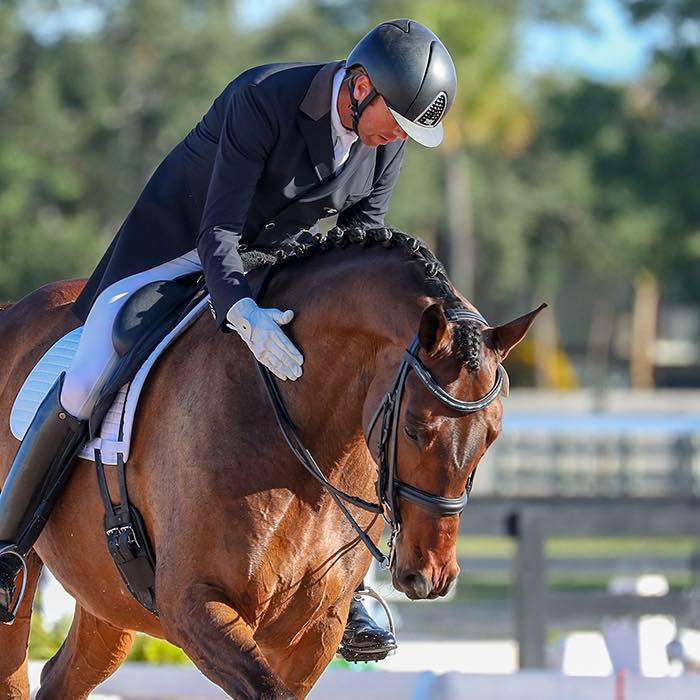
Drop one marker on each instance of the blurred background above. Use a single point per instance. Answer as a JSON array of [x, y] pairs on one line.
[[569, 174]]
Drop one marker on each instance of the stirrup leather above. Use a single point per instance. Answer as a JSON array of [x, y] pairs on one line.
[[11, 550]]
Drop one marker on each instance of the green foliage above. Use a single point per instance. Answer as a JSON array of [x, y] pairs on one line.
[[572, 182], [157, 651], [45, 641]]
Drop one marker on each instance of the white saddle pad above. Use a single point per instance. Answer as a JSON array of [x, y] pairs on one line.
[[58, 359]]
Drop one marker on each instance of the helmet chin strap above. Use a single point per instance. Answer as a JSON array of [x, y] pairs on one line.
[[356, 108]]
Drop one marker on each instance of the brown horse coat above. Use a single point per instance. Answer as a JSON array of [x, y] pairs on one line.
[[255, 564]]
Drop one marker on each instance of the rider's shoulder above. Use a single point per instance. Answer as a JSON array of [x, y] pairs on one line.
[[279, 81]]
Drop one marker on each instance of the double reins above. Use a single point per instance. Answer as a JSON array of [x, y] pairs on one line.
[[389, 487]]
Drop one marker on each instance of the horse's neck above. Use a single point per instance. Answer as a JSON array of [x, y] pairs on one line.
[[367, 308], [355, 311]]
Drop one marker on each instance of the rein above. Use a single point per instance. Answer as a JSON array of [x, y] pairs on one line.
[[389, 487]]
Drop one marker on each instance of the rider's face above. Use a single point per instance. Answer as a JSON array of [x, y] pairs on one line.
[[377, 124]]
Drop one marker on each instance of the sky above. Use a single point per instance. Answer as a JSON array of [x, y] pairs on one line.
[[612, 50], [615, 50]]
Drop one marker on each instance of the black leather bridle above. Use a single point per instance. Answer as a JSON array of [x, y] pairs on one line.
[[389, 487]]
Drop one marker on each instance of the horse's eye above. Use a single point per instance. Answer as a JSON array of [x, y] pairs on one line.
[[410, 434]]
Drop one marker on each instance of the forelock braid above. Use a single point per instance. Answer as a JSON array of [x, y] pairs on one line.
[[467, 344]]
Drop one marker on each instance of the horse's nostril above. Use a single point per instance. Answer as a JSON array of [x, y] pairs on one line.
[[416, 583], [451, 583]]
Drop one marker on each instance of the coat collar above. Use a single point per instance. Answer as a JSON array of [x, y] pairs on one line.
[[315, 119], [317, 101]]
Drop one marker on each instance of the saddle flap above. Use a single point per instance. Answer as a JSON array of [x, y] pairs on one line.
[[149, 311], [149, 315]]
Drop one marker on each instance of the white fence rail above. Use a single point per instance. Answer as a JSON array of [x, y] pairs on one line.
[[146, 682]]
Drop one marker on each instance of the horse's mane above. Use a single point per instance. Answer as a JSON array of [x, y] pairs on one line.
[[467, 345]]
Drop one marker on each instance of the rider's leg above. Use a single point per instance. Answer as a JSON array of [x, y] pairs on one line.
[[38, 471], [95, 358], [59, 428]]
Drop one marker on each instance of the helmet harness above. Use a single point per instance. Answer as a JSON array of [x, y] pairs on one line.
[[356, 108]]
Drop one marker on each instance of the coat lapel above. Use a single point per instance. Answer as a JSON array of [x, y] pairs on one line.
[[359, 155], [315, 120], [317, 135]]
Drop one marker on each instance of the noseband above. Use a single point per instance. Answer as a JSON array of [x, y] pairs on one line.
[[389, 487]]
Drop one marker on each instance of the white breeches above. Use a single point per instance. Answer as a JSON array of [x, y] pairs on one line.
[[95, 357]]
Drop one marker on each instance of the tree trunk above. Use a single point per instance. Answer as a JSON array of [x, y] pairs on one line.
[[458, 239], [643, 334], [599, 341], [546, 342]]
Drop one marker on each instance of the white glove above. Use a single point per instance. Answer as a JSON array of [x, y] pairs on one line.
[[260, 329]]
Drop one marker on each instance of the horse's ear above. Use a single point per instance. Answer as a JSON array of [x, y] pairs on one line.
[[433, 334], [502, 339]]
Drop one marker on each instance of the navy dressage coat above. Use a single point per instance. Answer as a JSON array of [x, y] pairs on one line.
[[257, 169]]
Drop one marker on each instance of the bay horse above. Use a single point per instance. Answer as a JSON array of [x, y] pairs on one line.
[[256, 565]]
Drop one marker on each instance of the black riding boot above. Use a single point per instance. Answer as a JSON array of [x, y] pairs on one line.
[[364, 639], [40, 469]]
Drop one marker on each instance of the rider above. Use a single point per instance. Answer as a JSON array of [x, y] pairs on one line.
[[283, 146]]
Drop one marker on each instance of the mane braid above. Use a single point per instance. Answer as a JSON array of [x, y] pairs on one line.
[[467, 342]]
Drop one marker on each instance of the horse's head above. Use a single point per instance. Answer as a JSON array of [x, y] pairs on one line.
[[443, 421]]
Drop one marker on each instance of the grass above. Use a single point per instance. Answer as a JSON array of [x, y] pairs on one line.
[[497, 584], [581, 546]]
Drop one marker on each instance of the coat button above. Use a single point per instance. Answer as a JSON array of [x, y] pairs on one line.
[[331, 211], [270, 225]]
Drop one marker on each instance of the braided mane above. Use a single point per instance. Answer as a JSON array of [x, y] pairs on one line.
[[467, 345]]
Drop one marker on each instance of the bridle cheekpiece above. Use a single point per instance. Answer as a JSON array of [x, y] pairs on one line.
[[389, 487]]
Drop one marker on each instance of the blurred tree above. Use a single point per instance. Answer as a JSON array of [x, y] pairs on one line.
[[491, 115], [667, 102], [84, 120], [544, 183]]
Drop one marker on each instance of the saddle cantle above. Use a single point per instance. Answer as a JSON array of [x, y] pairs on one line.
[[147, 318]]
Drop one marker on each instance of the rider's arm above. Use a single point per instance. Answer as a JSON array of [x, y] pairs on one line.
[[370, 210], [247, 136]]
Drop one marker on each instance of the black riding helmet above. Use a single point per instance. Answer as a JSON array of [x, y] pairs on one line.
[[412, 70]]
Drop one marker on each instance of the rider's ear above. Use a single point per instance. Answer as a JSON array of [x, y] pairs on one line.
[[363, 86], [433, 334], [502, 339]]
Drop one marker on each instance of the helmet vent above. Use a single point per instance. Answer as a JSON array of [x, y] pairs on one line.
[[433, 113]]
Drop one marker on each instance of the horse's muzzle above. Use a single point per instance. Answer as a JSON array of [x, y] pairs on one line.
[[417, 586], [414, 584]]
